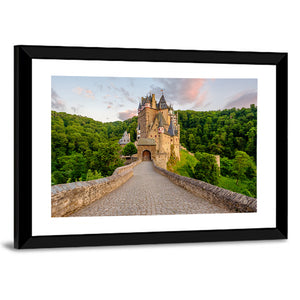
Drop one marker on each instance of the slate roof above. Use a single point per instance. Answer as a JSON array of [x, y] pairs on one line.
[[172, 130], [161, 119], [162, 104]]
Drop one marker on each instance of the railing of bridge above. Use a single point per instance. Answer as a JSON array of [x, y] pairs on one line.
[[70, 197], [214, 194]]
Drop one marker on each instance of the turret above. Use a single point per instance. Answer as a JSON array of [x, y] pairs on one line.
[[153, 101], [160, 124], [171, 129], [147, 102], [142, 103]]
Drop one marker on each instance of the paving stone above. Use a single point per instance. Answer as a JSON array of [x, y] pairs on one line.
[[149, 193]]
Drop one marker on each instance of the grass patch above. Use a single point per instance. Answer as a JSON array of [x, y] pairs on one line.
[[245, 187], [185, 166]]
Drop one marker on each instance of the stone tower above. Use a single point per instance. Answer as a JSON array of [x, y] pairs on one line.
[[157, 130]]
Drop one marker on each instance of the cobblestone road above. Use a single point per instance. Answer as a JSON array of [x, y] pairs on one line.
[[148, 193]]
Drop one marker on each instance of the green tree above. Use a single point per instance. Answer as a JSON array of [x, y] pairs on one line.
[[106, 159], [219, 132], [73, 166], [92, 175], [191, 142], [129, 149], [251, 144], [81, 143], [206, 169], [226, 166], [241, 163]]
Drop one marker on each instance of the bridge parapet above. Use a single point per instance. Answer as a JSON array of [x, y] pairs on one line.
[[214, 194], [70, 197]]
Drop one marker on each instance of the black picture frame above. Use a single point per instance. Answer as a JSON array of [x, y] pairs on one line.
[[23, 56]]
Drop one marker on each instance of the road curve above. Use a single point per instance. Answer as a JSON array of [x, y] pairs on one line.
[[148, 193]]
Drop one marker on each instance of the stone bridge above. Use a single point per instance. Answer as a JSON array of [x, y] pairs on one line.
[[145, 189]]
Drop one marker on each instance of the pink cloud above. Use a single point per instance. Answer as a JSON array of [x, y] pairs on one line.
[[200, 100], [127, 114], [89, 94], [191, 87], [84, 92], [181, 90]]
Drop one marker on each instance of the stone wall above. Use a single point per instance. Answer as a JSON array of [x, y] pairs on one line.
[[161, 160], [70, 197], [214, 194]]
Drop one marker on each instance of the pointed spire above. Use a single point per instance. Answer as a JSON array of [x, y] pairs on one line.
[[160, 119], [161, 122], [171, 129], [162, 103]]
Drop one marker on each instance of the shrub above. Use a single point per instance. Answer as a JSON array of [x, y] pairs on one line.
[[206, 169], [129, 149]]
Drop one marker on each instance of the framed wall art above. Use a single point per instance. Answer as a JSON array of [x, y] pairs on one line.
[[118, 146]]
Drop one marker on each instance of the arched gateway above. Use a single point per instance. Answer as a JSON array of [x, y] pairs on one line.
[[146, 149], [146, 155]]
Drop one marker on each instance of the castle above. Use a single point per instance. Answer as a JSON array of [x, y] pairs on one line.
[[158, 131]]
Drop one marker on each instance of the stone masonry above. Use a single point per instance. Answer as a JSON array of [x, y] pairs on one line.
[[68, 198], [149, 193], [214, 194]]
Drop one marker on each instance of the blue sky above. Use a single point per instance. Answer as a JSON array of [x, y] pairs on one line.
[[109, 99]]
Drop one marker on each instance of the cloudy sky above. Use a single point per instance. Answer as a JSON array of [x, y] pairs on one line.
[[109, 99]]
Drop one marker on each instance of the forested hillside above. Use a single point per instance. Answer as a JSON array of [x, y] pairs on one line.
[[230, 133], [219, 132], [85, 149]]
